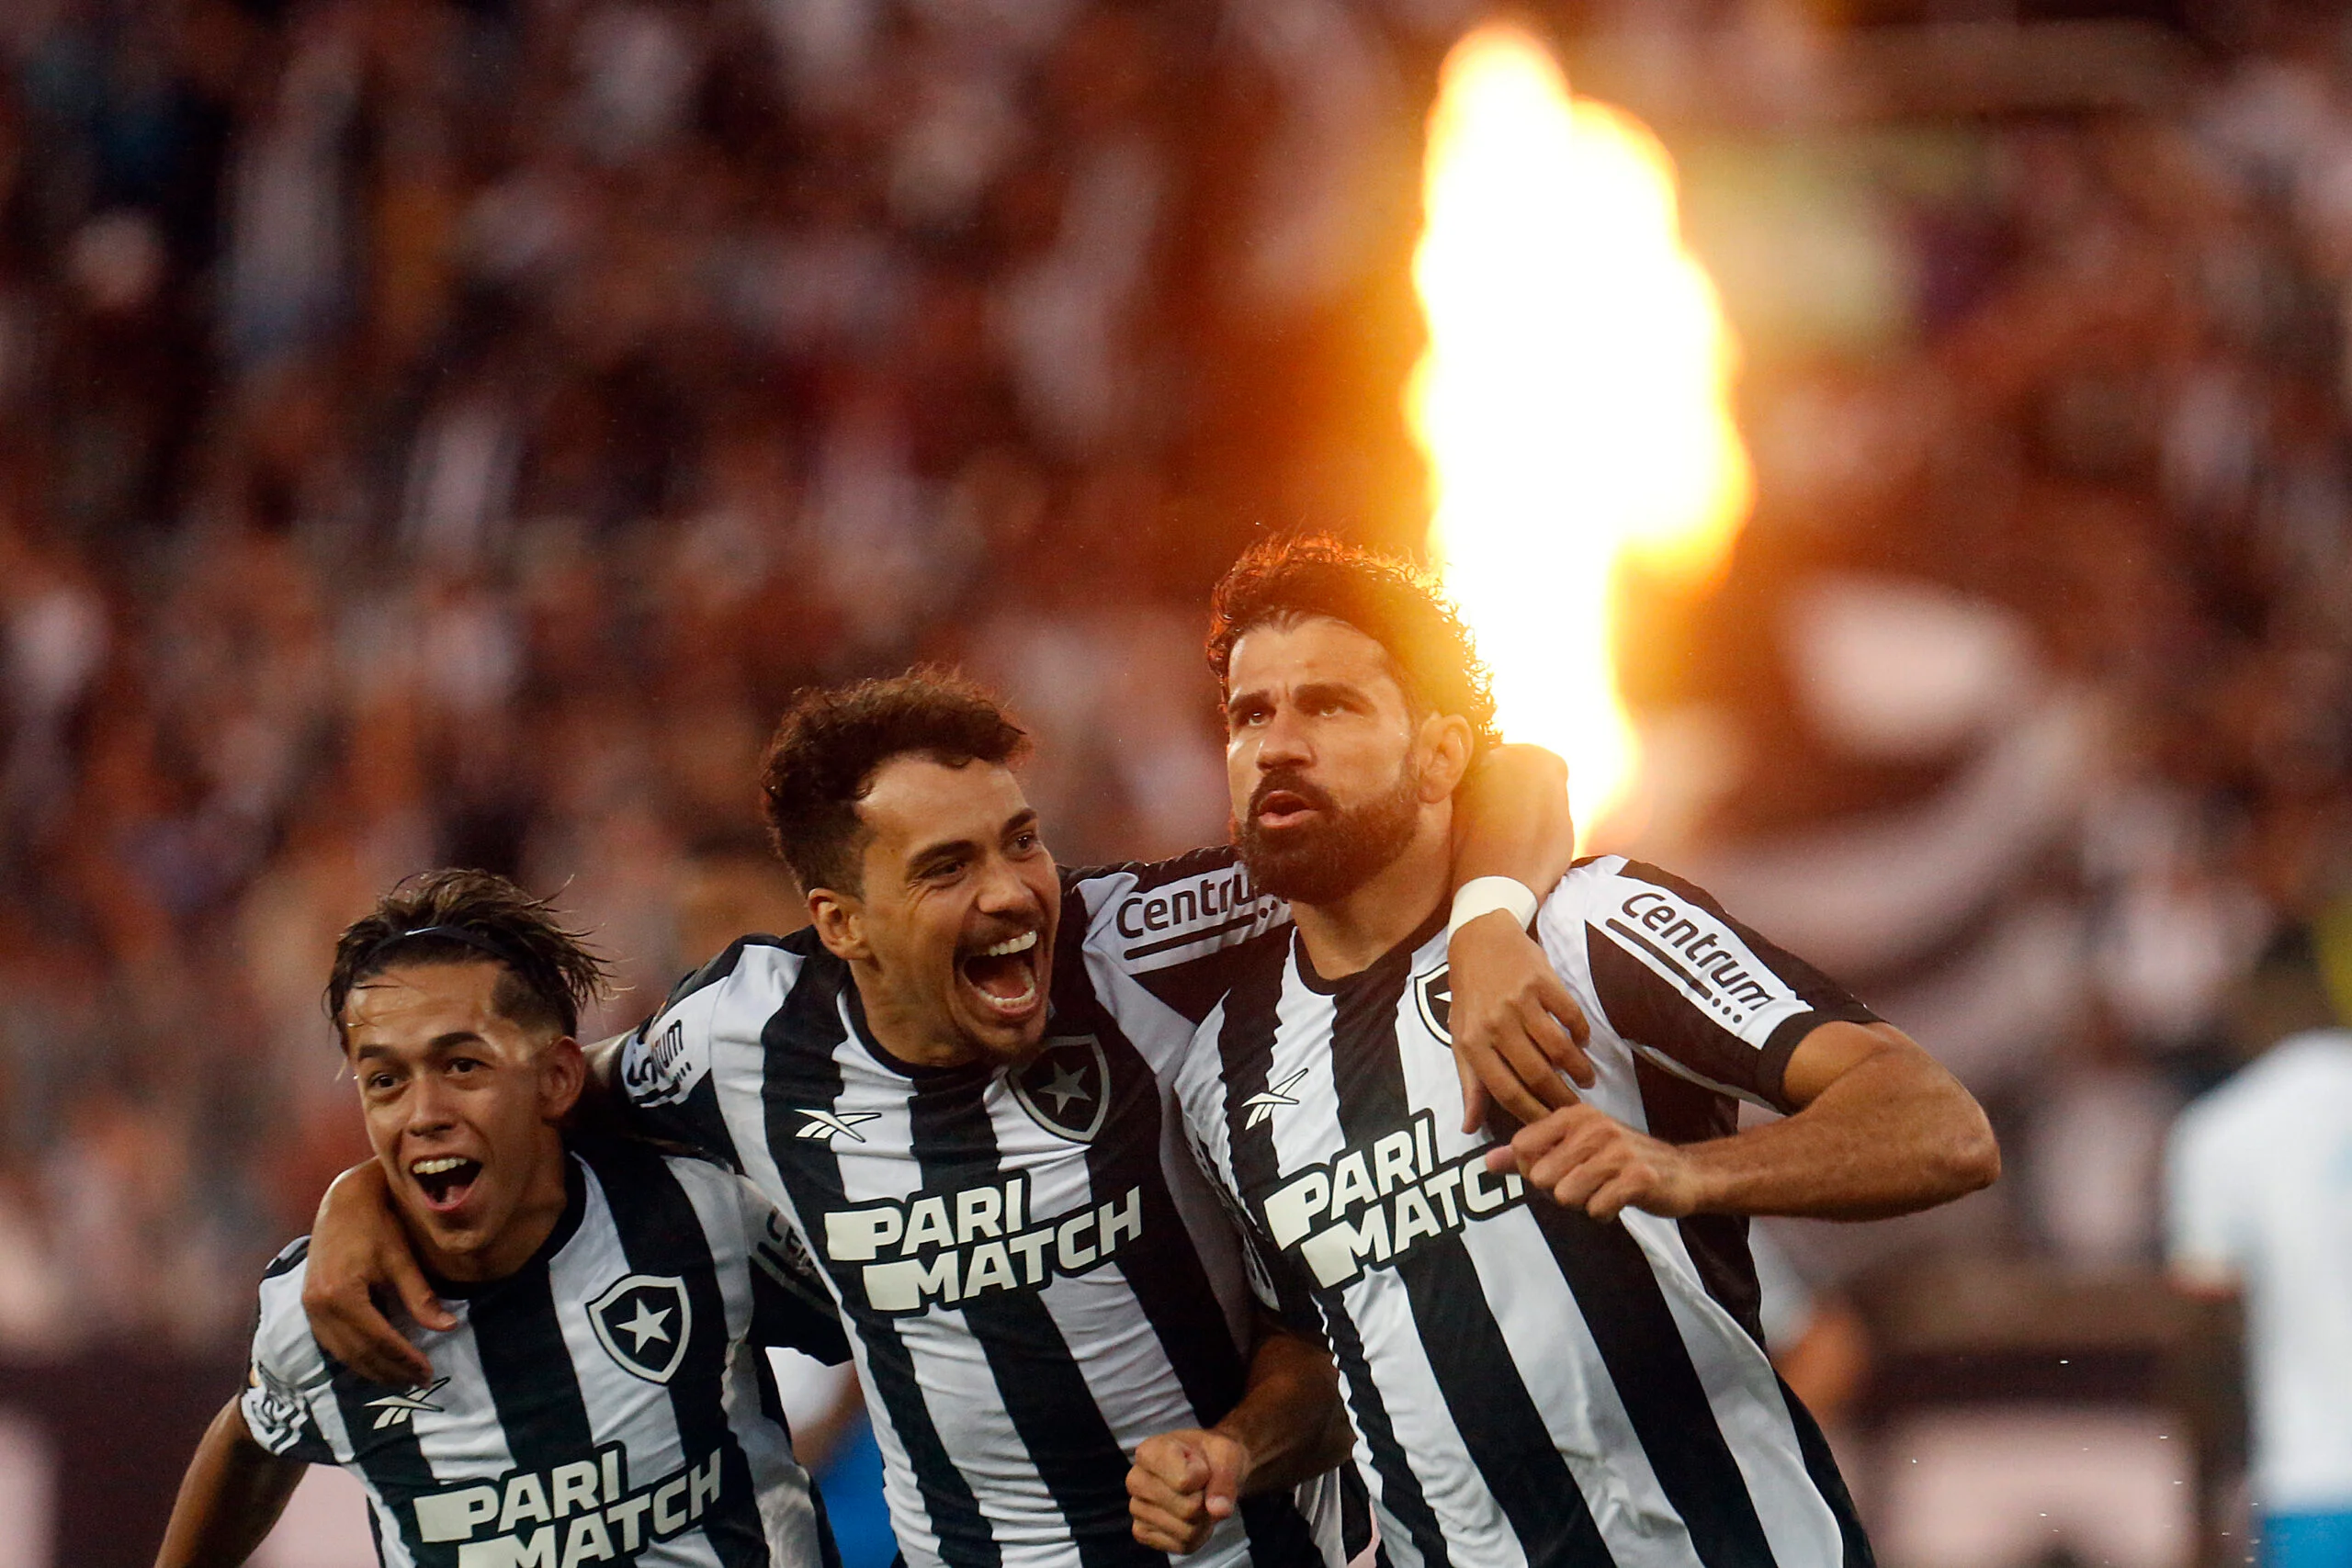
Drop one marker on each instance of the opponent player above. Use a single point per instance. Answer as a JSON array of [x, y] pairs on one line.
[[1557, 1364], [600, 1396], [968, 1120]]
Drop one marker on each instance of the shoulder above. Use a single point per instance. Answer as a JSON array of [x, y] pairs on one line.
[[2246, 1109], [726, 1003], [1601, 887], [1166, 905], [282, 1343], [755, 959]]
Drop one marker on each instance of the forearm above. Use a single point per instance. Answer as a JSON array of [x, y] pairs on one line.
[[1290, 1421], [1893, 1135], [1511, 819], [232, 1495]]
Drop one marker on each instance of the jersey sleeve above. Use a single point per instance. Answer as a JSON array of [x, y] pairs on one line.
[[790, 1307], [1688, 987], [671, 1065], [286, 1373], [1167, 930]]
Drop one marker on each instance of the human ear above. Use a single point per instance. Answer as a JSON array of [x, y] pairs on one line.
[[839, 921], [1443, 752], [562, 1071]]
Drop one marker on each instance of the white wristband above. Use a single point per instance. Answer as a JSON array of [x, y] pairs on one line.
[[1485, 895]]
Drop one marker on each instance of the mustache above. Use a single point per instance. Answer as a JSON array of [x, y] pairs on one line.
[[1288, 781]]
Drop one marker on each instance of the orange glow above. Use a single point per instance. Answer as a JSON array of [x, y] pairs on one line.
[[1574, 401]]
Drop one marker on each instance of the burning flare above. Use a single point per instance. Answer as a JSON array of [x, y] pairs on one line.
[[1574, 399]]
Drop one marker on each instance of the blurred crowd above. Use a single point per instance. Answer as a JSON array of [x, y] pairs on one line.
[[447, 431]]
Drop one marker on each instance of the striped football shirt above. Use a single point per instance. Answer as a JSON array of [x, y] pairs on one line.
[[605, 1402], [1036, 1275], [1529, 1386]]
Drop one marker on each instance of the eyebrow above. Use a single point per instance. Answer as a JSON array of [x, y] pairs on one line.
[[448, 1042], [1025, 818], [1308, 692]]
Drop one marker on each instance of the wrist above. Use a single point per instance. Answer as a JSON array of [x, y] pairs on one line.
[[1710, 1179], [1245, 1457], [1483, 896]]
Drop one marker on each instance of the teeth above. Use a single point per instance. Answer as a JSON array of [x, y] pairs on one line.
[[1011, 945], [435, 1167], [1013, 1004]]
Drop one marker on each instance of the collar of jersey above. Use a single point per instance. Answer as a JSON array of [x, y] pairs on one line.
[[979, 1071], [575, 1203], [1385, 964]]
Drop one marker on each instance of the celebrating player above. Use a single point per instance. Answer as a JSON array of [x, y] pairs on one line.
[[1549, 1347], [599, 1394], [967, 1117]]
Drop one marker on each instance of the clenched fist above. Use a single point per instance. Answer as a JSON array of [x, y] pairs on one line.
[[1181, 1485]]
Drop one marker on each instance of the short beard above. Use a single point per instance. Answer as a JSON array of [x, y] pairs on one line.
[[1323, 861]]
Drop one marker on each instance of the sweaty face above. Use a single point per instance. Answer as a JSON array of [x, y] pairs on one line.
[[462, 1105], [1319, 759], [957, 913]]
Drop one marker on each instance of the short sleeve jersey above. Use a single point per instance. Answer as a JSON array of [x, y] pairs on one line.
[[605, 1400], [2258, 1190], [1036, 1275], [1528, 1385]]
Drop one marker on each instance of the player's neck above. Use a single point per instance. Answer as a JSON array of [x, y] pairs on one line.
[[907, 1030], [1350, 934]]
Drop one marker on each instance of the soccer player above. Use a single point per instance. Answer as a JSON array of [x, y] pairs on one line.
[[964, 1107], [1549, 1344], [599, 1394], [2258, 1199]]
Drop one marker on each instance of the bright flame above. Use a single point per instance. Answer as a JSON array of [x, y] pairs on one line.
[[1574, 399]]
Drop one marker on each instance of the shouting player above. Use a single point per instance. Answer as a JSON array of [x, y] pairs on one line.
[[956, 1084], [599, 1396], [1549, 1347]]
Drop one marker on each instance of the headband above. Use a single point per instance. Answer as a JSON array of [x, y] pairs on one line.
[[482, 942], [491, 946]]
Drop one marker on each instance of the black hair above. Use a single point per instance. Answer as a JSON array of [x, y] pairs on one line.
[[457, 916], [835, 739], [1385, 597]]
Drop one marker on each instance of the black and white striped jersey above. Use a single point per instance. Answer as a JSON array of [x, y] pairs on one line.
[[606, 1402], [1529, 1386], [1038, 1273]]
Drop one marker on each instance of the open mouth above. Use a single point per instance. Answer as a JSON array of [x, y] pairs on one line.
[[1283, 809], [1004, 975], [445, 1180]]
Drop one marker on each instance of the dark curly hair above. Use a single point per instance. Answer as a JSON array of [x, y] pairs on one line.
[[1391, 601], [835, 739], [465, 916]]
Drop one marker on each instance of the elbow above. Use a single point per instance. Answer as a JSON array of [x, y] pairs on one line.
[[1972, 1160]]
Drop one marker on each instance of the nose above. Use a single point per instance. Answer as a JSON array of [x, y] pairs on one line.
[[1281, 742], [1003, 891], [431, 1106]]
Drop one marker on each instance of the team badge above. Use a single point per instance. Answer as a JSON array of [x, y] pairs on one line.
[[642, 1322], [1433, 997], [1067, 1090]]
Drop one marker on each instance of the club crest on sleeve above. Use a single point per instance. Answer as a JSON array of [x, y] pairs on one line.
[[1433, 999], [642, 1322], [1067, 1090]]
